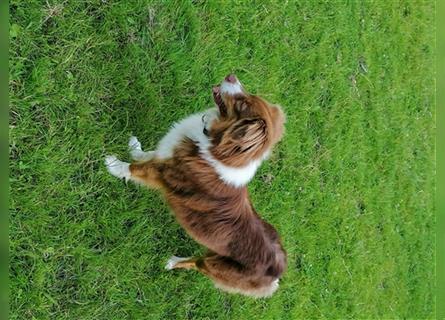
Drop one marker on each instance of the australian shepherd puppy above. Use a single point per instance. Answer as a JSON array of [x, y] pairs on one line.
[[202, 167]]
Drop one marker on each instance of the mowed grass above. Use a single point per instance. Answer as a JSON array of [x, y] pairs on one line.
[[350, 187]]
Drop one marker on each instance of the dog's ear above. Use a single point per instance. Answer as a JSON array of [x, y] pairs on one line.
[[243, 139], [248, 133]]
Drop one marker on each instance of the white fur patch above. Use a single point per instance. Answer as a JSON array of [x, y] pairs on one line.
[[118, 168], [171, 263], [231, 88], [263, 292], [192, 127], [237, 177]]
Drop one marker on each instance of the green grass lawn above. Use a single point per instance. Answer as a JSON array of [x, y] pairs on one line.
[[350, 187]]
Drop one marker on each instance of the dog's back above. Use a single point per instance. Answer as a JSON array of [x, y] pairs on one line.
[[245, 252]]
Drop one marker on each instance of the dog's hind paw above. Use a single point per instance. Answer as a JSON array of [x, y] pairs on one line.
[[171, 263]]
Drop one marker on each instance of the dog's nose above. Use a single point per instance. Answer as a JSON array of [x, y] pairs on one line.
[[230, 78]]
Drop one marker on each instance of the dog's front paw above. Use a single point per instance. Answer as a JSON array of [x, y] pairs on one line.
[[136, 153], [134, 144], [117, 168]]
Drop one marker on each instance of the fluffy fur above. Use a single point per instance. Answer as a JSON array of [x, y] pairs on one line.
[[202, 166]]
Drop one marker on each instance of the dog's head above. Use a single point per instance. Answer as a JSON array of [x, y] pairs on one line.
[[246, 126]]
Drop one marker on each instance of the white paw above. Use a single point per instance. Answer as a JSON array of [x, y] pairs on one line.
[[117, 168], [134, 144], [136, 153], [171, 263]]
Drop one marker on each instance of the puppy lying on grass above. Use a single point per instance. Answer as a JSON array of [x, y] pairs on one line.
[[202, 167]]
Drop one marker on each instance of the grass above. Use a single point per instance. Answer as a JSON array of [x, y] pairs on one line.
[[350, 188]]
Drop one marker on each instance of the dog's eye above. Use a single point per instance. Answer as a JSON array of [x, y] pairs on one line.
[[205, 131]]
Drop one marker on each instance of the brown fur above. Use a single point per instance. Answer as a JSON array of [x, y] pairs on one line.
[[245, 252]]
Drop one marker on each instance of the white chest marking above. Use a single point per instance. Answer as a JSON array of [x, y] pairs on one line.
[[192, 128]]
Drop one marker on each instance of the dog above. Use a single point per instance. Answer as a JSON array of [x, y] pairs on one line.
[[202, 167]]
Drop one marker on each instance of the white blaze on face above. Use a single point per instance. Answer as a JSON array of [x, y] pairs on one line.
[[231, 88]]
